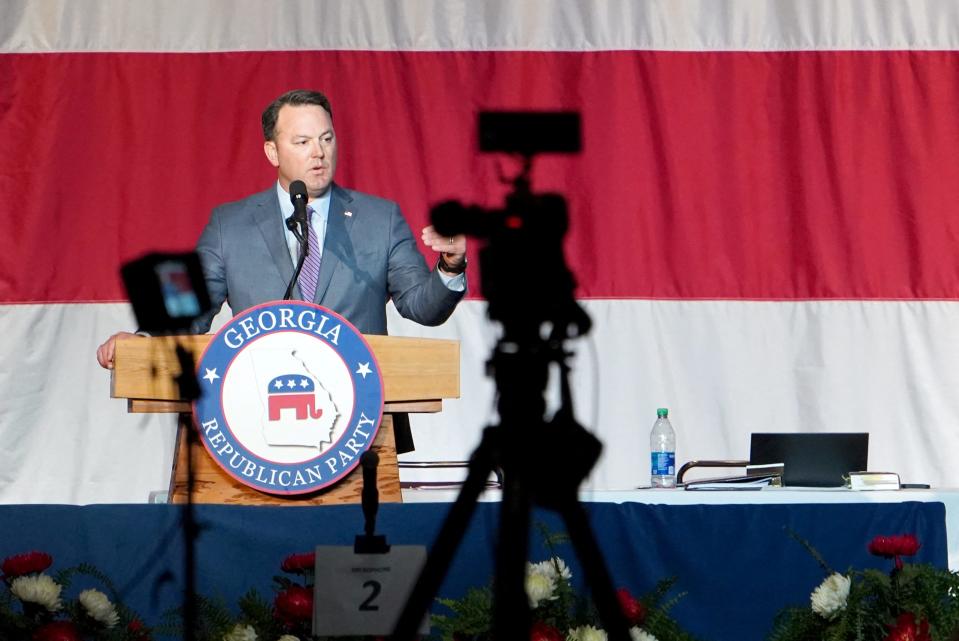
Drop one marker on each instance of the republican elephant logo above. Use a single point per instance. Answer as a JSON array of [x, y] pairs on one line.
[[293, 392]]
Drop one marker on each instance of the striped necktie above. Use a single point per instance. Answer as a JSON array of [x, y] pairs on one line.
[[311, 266]]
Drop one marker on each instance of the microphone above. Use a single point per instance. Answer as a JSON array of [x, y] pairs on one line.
[[368, 542], [299, 198], [369, 495]]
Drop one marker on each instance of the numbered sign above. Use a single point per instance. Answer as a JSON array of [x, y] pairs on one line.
[[359, 594]]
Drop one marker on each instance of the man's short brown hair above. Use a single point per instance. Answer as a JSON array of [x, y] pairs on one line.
[[296, 98]]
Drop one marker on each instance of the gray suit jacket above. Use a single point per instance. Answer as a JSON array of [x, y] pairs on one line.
[[369, 257]]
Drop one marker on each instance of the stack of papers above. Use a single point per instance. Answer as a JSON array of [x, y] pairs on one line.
[[735, 484], [756, 478]]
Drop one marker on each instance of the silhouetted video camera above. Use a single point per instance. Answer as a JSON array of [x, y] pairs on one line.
[[524, 276], [529, 289], [167, 291]]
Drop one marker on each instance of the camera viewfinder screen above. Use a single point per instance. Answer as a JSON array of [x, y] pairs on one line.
[[179, 299]]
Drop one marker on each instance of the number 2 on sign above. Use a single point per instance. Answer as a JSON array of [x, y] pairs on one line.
[[362, 594], [367, 605]]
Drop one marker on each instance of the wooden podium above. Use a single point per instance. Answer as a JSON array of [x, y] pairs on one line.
[[418, 373]]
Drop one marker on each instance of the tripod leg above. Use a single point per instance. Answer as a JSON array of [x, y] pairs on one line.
[[450, 536], [511, 616], [594, 567]]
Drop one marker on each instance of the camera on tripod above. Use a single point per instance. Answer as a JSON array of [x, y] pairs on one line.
[[525, 236], [527, 286]]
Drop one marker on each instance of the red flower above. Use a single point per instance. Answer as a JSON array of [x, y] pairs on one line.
[[137, 630], [892, 547], [299, 563], [295, 603], [634, 610], [544, 632], [57, 631], [28, 563], [906, 629]]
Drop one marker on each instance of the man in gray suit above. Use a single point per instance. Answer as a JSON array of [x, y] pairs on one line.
[[367, 253], [366, 250]]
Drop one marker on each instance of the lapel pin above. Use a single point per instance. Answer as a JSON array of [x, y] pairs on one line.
[[348, 213]]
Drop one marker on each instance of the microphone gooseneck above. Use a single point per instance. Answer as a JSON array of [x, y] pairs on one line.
[[299, 224]]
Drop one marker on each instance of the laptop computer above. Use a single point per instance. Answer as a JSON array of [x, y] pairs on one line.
[[812, 459]]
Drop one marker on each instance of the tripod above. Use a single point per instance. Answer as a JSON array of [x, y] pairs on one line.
[[543, 464]]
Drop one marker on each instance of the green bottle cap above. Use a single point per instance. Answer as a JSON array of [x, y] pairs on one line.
[[662, 412]]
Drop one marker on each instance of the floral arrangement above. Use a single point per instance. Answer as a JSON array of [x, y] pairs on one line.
[[34, 606], [288, 617], [911, 602], [558, 613]]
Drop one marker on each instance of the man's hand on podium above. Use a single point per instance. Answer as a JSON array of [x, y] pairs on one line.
[[105, 352]]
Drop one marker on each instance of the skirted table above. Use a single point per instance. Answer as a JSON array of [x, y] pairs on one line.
[[736, 561]]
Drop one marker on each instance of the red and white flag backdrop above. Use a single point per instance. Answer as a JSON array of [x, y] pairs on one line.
[[764, 216]]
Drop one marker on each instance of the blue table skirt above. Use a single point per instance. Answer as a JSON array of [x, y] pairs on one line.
[[737, 563]]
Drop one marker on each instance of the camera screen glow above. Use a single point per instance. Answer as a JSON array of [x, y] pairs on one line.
[[179, 299]]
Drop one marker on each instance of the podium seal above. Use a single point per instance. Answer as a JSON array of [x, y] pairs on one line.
[[291, 396]]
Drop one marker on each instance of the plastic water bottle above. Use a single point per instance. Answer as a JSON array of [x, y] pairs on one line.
[[662, 450]]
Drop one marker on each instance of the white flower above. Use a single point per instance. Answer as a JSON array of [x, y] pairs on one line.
[[539, 586], [558, 568], [240, 633], [542, 578], [99, 607], [555, 569], [37, 588], [636, 633], [830, 597], [288, 637], [539, 568], [586, 633]]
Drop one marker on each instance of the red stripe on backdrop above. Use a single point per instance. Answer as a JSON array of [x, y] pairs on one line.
[[704, 175]]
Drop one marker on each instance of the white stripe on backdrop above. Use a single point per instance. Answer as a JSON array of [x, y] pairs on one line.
[[728, 368], [724, 368], [491, 25]]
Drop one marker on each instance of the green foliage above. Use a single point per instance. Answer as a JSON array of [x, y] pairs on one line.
[[813, 552], [664, 627], [657, 598], [470, 617], [255, 608], [658, 622], [876, 600], [551, 540], [213, 619], [12, 624]]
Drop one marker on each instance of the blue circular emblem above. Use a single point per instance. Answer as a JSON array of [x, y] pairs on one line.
[[291, 396]]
